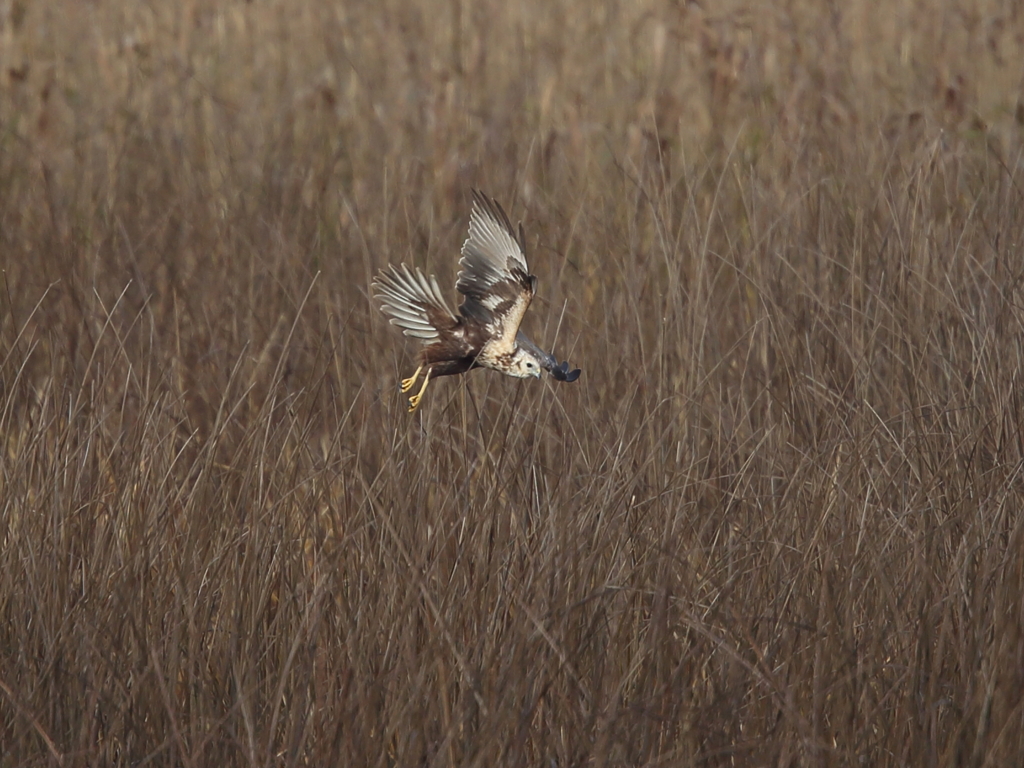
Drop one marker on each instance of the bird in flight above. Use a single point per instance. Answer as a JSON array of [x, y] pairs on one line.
[[497, 286]]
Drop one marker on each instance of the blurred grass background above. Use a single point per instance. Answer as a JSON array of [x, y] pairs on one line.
[[777, 521]]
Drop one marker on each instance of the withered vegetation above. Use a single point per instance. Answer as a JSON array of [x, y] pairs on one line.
[[778, 521]]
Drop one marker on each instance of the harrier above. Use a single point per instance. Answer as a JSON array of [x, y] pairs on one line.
[[497, 287]]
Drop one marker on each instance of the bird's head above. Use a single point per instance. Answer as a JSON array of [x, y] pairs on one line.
[[539, 359], [525, 363]]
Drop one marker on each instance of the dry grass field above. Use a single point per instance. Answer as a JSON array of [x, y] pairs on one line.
[[779, 521]]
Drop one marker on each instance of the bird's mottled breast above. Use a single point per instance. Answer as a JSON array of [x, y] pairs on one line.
[[501, 361]]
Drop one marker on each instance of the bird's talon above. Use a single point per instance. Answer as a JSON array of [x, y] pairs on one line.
[[414, 401], [407, 383]]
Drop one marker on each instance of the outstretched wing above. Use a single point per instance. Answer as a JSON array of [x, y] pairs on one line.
[[413, 302], [494, 277]]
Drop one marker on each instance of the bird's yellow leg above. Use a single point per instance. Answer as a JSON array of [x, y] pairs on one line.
[[407, 383], [414, 401]]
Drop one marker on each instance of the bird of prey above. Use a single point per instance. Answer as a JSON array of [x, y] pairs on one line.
[[497, 286]]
